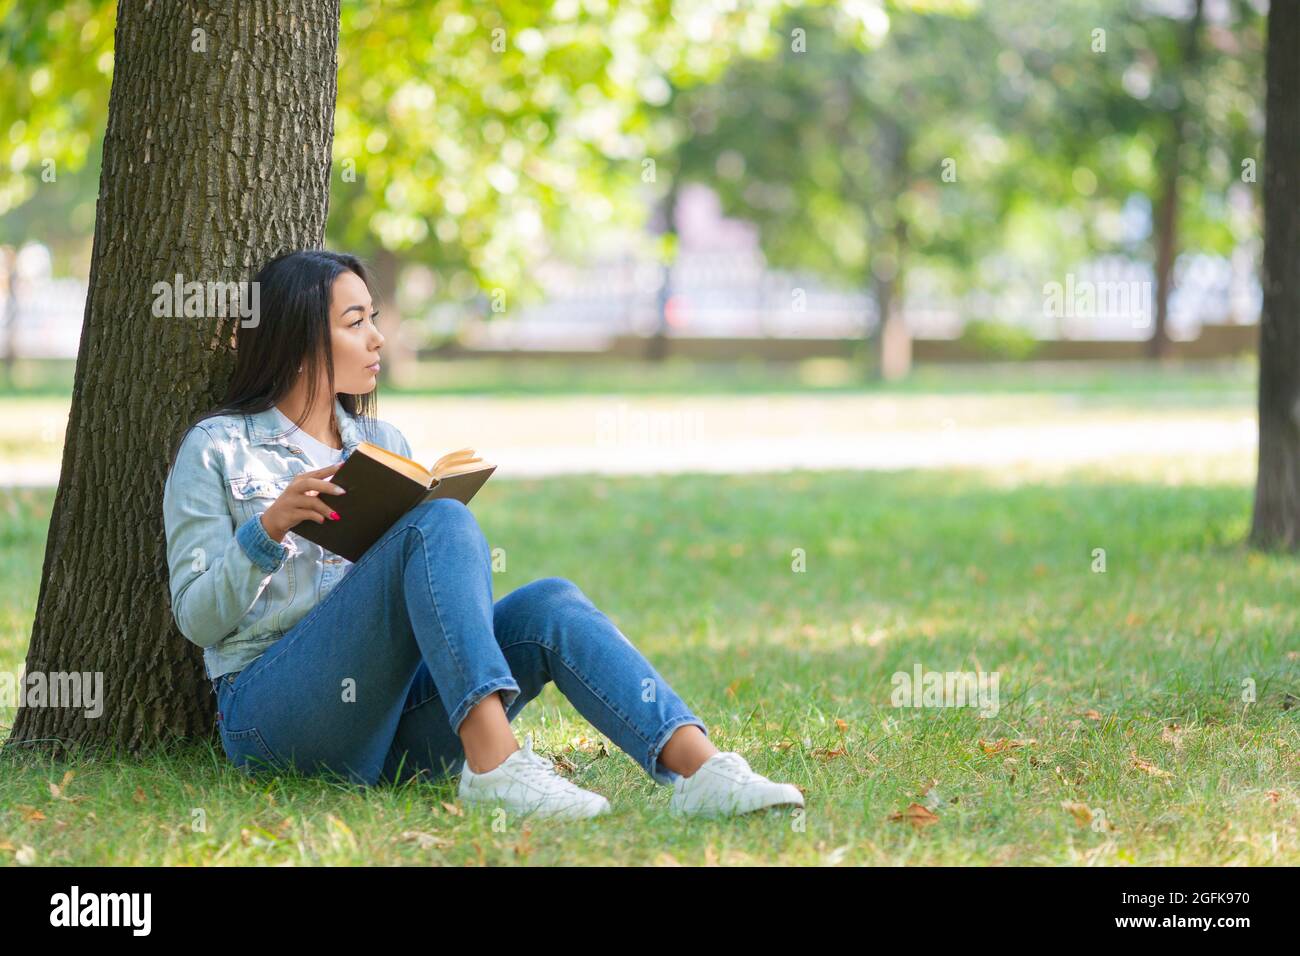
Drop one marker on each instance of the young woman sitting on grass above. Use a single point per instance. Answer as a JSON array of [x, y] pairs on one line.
[[402, 663]]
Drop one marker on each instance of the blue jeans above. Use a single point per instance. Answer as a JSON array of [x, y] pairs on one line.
[[373, 683]]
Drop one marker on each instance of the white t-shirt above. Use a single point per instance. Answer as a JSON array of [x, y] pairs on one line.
[[319, 453]]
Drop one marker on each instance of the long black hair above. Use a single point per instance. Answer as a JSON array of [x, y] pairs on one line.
[[292, 331]]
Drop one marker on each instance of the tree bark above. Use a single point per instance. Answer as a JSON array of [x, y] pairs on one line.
[[1158, 345], [1276, 519], [397, 358], [892, 340], [216, 157], [656, 346]]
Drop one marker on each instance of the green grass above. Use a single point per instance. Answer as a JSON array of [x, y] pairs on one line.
[[1107, 673], [1195, 383]]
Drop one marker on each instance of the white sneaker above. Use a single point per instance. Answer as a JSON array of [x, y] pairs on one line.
[[528, 783], [724, 784]]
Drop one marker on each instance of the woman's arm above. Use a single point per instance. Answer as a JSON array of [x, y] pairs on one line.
[[217, 571]]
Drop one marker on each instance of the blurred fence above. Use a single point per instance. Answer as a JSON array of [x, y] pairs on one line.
[[733, 295]]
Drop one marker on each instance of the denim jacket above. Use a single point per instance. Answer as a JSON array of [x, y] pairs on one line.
[[234, 589]]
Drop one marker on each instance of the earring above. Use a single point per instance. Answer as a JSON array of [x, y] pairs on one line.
[[299, 369]]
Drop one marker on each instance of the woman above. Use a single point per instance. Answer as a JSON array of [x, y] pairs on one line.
[[401, 663]]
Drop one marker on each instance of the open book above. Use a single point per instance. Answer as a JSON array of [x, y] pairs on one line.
[[381, 487]]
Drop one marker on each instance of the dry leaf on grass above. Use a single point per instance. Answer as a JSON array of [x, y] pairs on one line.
[[57, 789], [427, 841], [1175, 735], [1091, 715], [1081, 812], [828, 754], [915, 814], [1002, 743], [1146, 766]]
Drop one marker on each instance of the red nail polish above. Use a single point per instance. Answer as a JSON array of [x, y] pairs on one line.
[[334, 516]]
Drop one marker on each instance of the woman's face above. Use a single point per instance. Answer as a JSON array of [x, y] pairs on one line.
[[354, 338]]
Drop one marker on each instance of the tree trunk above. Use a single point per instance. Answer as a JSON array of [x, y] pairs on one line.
[[1166, 224], [656, 346], [216, 157], [1166, 252], [397, 357], [893, 341], [1276, 521], [9, 320]]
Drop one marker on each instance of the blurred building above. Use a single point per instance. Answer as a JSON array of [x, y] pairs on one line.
[[720, 287]]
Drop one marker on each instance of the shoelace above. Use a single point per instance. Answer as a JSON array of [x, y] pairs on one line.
[[738, 767], [539, 769]]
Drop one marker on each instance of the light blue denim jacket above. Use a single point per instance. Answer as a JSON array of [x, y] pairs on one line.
[[234, 589]]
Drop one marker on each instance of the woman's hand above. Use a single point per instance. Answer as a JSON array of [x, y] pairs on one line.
[[300, 501]]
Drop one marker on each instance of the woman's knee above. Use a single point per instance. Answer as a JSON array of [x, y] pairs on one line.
[[559, 608], [446, 518], [553, 593]]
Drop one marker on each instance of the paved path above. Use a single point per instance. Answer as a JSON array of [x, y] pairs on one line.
[[616, 435]]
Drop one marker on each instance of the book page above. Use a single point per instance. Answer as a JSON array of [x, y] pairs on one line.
[[399, 463]]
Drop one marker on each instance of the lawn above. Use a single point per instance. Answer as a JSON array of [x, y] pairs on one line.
[[1125, 734], [1195, 383]]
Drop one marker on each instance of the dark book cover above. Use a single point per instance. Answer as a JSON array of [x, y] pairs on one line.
[[376, 497]]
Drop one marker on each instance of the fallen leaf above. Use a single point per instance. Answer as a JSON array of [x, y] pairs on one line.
[[1175, 735], [915, 814], [56, 789], [454, 810], [1146, 766], [1002, 743], [30, 814], [427, 841], [565, 765], [1091, 715], [841, 724], [827, 754], [1080, 811]]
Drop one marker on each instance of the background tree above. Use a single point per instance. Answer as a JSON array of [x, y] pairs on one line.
[[848, 149], [216, 157], [1276, 520]]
